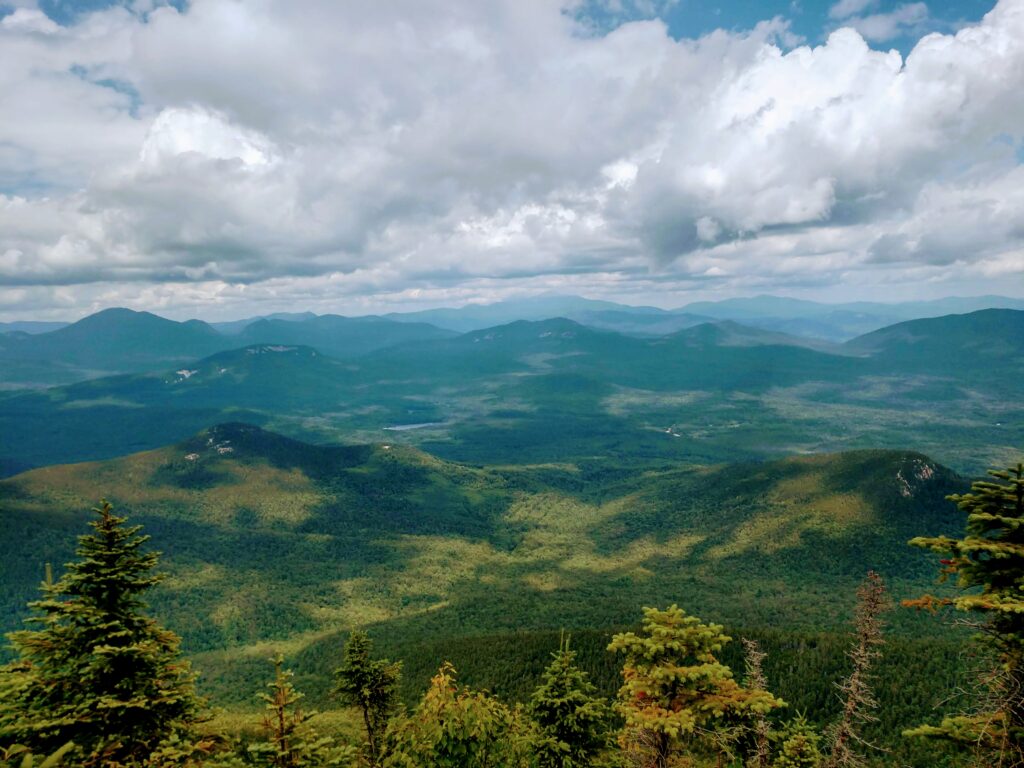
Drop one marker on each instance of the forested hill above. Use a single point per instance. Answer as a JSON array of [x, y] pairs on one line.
[[555, 390], [270, 539]]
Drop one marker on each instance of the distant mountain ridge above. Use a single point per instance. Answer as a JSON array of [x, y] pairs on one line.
[[31, 326], [537, 390], [121, 340], [833, 323]]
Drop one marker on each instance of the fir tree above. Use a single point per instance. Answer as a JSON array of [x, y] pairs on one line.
[[798, 745], [454, 727], [372, 686], [856, 690], [989, 562], [291, 741], [571, 719], [98, 671], [675, 692]]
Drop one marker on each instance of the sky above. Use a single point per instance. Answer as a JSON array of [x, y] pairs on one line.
[[222, 159]]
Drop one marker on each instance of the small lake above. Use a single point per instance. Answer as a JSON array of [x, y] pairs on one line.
[[422, 425]]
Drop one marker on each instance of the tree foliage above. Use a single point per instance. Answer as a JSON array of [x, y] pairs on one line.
[[988, 563], [798, 745], [98, 671], [456, 727], [371, 685], [675, 692], [571, 719], [291, 742]]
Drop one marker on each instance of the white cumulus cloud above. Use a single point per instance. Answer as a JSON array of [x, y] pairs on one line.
[[239, 153]]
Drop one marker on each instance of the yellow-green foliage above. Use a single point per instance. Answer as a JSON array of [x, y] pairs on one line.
[[676, 694], [455, 727], [280, 546]]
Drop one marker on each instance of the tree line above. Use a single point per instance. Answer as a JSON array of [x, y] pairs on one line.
[[98, 682]]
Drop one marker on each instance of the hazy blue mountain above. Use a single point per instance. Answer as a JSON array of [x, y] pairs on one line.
[[231, 327], [555, 390], [777, 306], [834, 327], [952, 305], [474, 317], [643, 323], [31, 326], [755, 307], [124, 338], [796, 317], [111, 341], [124, 341], [339, 336], [727, 333], [973, 343], [838, 322]]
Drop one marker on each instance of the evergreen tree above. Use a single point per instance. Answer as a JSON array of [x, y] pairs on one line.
[[291, 742], [989, 562], [856, 690], [372, 686], [454, 727], [98, 672], [675, 692], [571, 719], [798, 745]]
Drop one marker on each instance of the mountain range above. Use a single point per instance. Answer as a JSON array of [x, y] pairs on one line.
[[540, 390], [466, 492]]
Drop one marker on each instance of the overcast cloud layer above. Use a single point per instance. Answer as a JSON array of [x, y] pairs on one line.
[[240, 157]]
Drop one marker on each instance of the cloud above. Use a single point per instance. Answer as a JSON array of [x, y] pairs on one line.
[[881, 27], [846, 8], [257, 152]]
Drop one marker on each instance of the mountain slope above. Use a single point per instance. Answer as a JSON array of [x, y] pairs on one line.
[[340, 337], [555, 390], [123, 341], [268, 538], [839, 322], [111, 341], [115, 415], [474, 317], [987, 333], [126, 339], [31, 326]]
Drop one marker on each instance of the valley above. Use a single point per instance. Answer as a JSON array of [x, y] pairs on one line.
[[466, 496]]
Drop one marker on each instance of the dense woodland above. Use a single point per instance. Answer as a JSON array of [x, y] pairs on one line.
[[517, 546], [96, 681]]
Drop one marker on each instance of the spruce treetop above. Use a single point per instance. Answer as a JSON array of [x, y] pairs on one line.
[[98, 671]]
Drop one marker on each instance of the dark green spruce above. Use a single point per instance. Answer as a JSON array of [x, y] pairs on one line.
[[572, 720], [96, 670]]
